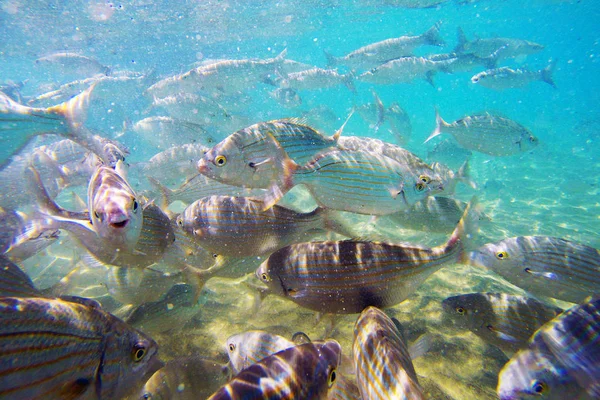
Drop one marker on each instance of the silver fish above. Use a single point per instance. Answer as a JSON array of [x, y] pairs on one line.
[[400, 125], [248, 348], [451, 178], [405, 70], [65, 349], [317, 78], [415, 3], [384, 368], [487, 133], [499, 48], [344, 277], [287, 97], [378, 53], [503, 320], [505, 77], [562, 360], [307, 371], [462, 62], [192, 107], [175, 163], [166, 132], [74, 63], [544, 265]]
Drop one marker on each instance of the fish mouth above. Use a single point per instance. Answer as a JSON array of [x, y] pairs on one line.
[[120, 224]]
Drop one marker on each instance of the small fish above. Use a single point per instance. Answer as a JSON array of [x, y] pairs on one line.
[[405, 70], [287, 97], [74, 63], [399, 121], [505, 321], [375, 54], [185, 378], [165, 132], [447, 151], [487, 133], [248, 348], [500, 48], [384, 368], [137, 286], [505, 77], [562, 360], [192, 107], [246, 157], [462, 62], [65, 349], [175, 163], [415, 3], [307, 371], [317, 78], [451, 178], [544, 265], [344, 277], [14, 282]]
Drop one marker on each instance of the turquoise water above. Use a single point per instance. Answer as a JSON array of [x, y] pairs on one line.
[[552, 190]]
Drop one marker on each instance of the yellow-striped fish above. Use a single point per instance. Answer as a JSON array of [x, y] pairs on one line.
[[503, 320], [307, 371], [544, 265], [55, 349], [346, 276], [384, 368]]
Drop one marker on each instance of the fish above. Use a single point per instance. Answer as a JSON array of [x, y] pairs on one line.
[[433, 214], [137, 286], [14, 282], [166, 132], [488, 134], [384, 368], [287, 97], [561, 360], [505, 77], [54, 348], [184, 378], [192, 107], [500, 48], [240, 227], [344, 389], [317, 78], [175, 163], [462, 62], [75, 63], [405, 70], [543, 265], [399, 121], [245, 158], [377, 53], [503, 320], [447, 151], [344, 277], [307, 371], [415, 3], [248, 348], [450, 179]]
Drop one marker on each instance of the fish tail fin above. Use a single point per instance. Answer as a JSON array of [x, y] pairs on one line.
[[421, 346], [281, 56], [338, 133], [546, 74], [166, 194], [439, 124], [284, 181], [74, 111], [464, 175], [432, 36], [37, 188], [465, 231], [380, 110], [331, 59], [349, 81], [197, 277], [462, 40], [429, 75]]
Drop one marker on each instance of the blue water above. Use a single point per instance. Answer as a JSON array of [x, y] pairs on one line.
[[552, 190]]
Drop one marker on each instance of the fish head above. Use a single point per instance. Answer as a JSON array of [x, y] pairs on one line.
[[115, 211], [527, 142], [534, 373], [478, 77], [416, 188], [268, 276], [113, 154], [330, 358], [224, 163], [506, 258], [235, 348], [469, 311]]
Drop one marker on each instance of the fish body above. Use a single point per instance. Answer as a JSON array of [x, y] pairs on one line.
[[561, 361], [462, 62], [74, 62], [346, 276], [64, 349], [404, 70], [488, 133], [505, 321], [317, 78], [400, 125], [175, 162], [138, 286], [500, 48], [287, 97], [246, 157], [375, 54], [544, 265], [384, 369], [185, 106], [240, 227], [245, 349], [505, 77], [166, 132], [307, 371]]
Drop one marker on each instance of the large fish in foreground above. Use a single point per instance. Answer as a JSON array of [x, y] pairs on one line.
[[54, 349], [344, 277], [562, 360], [488, 134], [503, 320], [544, 266], [384, 369], [307, 371]]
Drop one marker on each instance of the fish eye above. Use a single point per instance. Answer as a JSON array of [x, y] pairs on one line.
[[460, 310], [231, 347], [532, 139], [138, 353], [501, 255], [220, 161], [180, 222], [135, 205], [424, 179], [538, 387], [96, 214], [147, 396], [332, 377], [215, 255], [264, 276], [251, 164], [420, 186]]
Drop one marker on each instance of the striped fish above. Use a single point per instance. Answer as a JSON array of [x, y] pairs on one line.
[[384, 368], [359, 181], [544, 265], [562, 360], [238, 226], [246, 157], [487, 133], [185, 378], [307, 371], [451, 178], [344, 389], [245, 349], [14, 282], [503, 320], [54, 349], [346, 276]]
